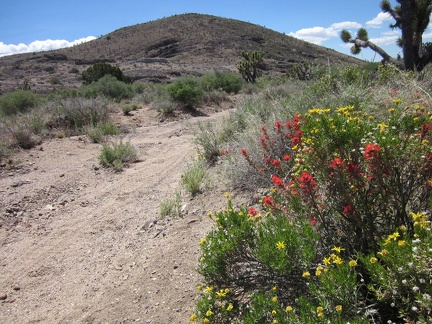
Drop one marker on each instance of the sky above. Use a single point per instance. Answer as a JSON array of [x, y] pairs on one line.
[[36, 25]]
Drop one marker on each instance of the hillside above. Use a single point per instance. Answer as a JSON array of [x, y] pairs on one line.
[[164, 49]]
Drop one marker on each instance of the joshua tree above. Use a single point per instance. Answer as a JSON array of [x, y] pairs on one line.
[[249, 66], [412, 18]]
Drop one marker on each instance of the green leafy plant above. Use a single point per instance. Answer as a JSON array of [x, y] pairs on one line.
[[171, 206]]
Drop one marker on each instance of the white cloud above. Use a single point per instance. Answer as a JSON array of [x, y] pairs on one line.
[[379, 20], [37, 46], [317, 35]]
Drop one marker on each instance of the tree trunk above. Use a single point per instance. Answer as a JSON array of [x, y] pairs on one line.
[[407, 8]]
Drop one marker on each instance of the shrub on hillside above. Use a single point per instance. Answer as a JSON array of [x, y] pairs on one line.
[[99, 70], [109, 87], [225, 81], [16, 102]]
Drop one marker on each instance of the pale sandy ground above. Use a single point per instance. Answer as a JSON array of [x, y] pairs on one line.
[[81, 244]]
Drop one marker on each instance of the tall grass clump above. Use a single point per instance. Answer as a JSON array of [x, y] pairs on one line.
[[117, 155], [223, 81], [16, 102], [342, 232], [195, 179]]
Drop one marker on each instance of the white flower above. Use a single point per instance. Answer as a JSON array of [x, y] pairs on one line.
[[427, 297], [416, 289], [416, 241], [411, 264], [404, 281], [415, 249], [414, 309]]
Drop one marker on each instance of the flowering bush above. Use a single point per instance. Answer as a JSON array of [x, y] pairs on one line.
[[336, 239]]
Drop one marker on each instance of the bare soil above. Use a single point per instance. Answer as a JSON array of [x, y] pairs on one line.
[[82, 244]]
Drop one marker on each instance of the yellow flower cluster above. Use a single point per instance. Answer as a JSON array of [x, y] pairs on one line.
[[318, 111], [420, 220]]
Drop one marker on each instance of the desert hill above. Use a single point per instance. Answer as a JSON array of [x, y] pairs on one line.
[[164, 49]]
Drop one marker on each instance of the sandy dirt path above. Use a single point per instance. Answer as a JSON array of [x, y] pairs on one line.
[[80, 244]]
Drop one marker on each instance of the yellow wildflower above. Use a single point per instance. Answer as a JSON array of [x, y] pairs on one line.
[[221, 293], [208, 289], [209, 313], [373, 260], [352, 263], [230, 307], [327, 261], [274, 288], [383, 252], [280, 245], [274, 299], [193, 318], [306, 274], [338, 308], [199, 287], [227, 195], [202, 241], [338, 249], [337, 260], [401, 243], [288, 309], [274, 312], [206, 321]]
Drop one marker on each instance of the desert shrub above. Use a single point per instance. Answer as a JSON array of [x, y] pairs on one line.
[[95, 134], [78, 112], [226, 81], [151, 92], [16, 102], [109, 87], [99, 70], [165, 107], [127, 108], [343, 231], [117, 155], [186, 91]]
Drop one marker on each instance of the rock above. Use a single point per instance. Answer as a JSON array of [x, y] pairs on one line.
[[16, 288], [3, 296]]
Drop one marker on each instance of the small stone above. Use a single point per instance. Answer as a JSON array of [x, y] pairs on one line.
[[3, 296], [16, 288]]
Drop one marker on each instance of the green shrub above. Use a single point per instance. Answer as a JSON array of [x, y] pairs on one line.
[[117, 155], [109, 87], [226, 81], [95, 134], [16, 102], [99, 70], [186, 91], [108, 128]]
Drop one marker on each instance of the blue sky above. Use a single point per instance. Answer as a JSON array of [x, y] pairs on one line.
[[29, 25]]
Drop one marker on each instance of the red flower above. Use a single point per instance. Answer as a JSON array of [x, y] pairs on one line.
[[268, 201], [278, 126], [295, 140], [313, 221], [371, 151], [425, 129], [253, 211], [276, 163], [244, 152], [307, 178], [276, 180], [286, 157], [261, 170], [336, 163], [348, 210], [224, 153]]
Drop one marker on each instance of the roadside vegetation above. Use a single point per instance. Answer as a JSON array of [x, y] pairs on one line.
[[342, 231]]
